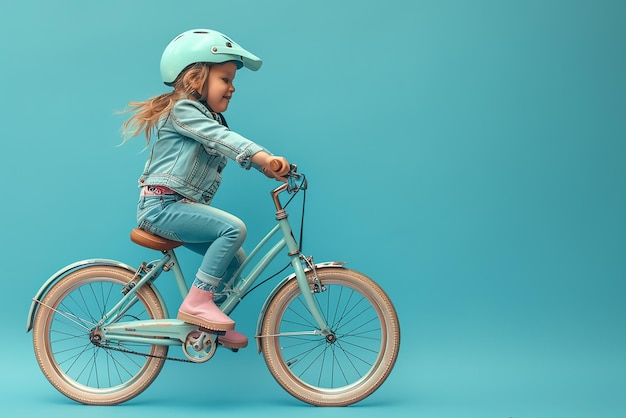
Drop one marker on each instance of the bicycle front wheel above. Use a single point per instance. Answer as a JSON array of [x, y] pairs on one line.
[[345, 366], [63, 330]]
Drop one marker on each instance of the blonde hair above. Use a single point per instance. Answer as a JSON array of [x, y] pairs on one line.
[[190, 82]]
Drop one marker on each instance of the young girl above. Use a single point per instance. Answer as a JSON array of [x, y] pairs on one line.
[[185, 165]]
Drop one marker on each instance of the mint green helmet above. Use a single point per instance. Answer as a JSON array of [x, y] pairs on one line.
[[203, 45]]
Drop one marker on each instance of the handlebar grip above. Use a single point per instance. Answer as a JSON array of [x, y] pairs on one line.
[[276, 165]]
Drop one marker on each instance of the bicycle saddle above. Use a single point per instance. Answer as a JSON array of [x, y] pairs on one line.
[[155, 242]]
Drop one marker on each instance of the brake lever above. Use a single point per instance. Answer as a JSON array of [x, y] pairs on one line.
[[292, 177]]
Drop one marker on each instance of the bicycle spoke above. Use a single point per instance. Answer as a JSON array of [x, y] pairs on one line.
[[71, 317]]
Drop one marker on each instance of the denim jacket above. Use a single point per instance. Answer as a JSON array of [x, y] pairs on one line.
[[191, 150]]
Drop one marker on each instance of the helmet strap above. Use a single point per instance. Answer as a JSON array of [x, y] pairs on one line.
[[216, 115]]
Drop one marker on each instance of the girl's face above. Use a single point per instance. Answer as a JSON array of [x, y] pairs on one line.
[[221, 88]]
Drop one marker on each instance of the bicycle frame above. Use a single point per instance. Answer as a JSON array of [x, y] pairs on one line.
[[329, 335], [174, 331]]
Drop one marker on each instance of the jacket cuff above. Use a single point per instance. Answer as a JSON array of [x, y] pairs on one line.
[[244, 159]]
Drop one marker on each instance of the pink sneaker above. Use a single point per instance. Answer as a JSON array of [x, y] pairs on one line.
[[199, 309], [233, 340]]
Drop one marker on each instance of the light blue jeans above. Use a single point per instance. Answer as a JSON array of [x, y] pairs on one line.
[[206, 230]]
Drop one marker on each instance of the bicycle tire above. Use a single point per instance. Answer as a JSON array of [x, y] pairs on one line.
[[349, 368], [83, 371]]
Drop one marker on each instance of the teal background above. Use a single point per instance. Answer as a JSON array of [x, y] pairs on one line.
[[467, 155]]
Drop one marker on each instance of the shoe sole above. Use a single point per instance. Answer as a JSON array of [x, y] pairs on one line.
[[190, 319], [232, 345]]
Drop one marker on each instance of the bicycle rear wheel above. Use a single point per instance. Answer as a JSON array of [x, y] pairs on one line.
[[348, 365], [88, 372]]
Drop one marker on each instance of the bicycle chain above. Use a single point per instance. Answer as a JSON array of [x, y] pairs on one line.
[[124, 350]]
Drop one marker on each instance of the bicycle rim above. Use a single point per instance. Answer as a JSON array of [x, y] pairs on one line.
[[83, 371], [345, 368]]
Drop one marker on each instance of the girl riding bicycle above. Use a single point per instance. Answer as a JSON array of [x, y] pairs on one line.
[[184, 170]]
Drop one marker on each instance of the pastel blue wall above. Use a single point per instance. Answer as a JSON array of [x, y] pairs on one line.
[[469, 156]]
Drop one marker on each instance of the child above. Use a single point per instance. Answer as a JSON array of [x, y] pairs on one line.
[[185, 165]]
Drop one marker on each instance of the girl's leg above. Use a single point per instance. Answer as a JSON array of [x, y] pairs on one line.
[[232, 338], [197, 224], [237, 260]]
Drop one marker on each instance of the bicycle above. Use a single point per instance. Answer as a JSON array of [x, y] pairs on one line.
[[329, 335]]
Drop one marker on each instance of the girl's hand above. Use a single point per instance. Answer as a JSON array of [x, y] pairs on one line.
[[273, 166]]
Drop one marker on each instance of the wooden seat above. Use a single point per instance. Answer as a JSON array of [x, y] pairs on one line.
[[155, 242]]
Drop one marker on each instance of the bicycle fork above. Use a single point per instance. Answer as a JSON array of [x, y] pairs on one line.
[[294, 255]]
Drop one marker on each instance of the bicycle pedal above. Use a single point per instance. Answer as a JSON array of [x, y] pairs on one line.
[[212, 331]]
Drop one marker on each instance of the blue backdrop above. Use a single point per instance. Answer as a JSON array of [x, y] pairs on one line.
[[469, 156]]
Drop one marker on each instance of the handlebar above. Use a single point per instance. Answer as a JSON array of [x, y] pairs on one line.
[[291, 186]]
